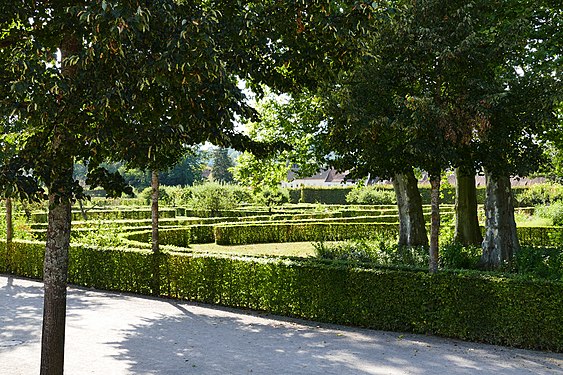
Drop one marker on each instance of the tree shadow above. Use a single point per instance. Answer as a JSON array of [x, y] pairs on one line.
[[21, 311], [196, 339]]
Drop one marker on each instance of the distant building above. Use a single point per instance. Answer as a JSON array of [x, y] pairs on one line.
[[326, 177]]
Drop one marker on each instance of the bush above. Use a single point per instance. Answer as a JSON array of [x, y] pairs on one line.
[[553, 212], [371, 195], [163, 196], [298, 232], [539, 194], [324, 195], [381, 251], [544, 263], [456, 256], [272, 196]]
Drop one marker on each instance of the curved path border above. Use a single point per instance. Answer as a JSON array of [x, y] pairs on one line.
[[112, 333]]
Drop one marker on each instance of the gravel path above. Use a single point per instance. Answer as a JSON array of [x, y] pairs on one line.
[[112, 333]]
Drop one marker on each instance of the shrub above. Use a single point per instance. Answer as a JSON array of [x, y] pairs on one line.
[[540, 262], [539, 194], [163, 196], [325, 195], [272, 196], [212, 197], [457, 256], [553, 212], [381, 251], [371, 195], [298, 232]]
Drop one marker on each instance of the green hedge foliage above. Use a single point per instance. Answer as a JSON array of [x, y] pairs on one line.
[[337, 195], [181, 237], [470, 306], [297, 232], [132, 214], [324, 195]]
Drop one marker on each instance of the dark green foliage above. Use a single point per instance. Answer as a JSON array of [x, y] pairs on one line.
[[337, 195], [324, 195], [381, 252], [456, 256], [498, 310], [541, 262], [222, 163], [272, 196]]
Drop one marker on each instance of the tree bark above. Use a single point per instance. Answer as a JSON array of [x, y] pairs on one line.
[[467, 230], [501, 240], [412, 229], [155, 240], [435, 222], [9, 234], [55, 268], [55, 273]]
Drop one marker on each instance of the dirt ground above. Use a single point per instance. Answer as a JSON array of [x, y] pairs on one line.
[[112, 333]]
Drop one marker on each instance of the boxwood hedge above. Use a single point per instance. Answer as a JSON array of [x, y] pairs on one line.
[[471, 306]]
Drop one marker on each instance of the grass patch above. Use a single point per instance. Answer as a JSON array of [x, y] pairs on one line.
[[290, 249]]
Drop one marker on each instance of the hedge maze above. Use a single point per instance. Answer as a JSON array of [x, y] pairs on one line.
[[471, 305]]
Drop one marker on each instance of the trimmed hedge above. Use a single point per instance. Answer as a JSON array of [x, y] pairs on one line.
[[176, 236], [469, 306], [325, 195], [133, 214], [298, 232], [540, 236]]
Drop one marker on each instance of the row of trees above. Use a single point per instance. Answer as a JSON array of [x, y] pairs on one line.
[[472, 86], [400, 83]]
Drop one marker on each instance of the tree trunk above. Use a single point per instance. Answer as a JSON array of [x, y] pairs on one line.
[[83, 211], [435, 221], [155, 240], [55, 273], [467, 230], [55, 268], [412, 229], [501, 240], [9, 234]]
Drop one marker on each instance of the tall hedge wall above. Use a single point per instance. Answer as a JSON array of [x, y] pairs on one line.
[[337, 195], [470, 306]]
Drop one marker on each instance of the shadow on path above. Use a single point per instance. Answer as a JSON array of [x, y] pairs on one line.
[[121, 334], [199, 340]]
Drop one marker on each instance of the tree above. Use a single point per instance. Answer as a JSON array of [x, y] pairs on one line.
[[292, 119], [222, 165], [436, 85], [467, 229], [132, 83]]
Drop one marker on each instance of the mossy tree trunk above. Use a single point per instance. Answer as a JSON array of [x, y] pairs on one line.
[[467, 230], [501, 240], [412, 229]]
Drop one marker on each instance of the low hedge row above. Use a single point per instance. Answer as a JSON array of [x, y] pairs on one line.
[[298, 232], [540, 236], [133, 214], [181, 236], [470, 306]]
